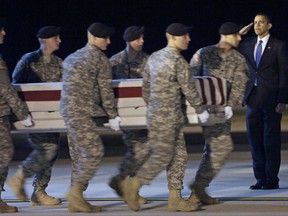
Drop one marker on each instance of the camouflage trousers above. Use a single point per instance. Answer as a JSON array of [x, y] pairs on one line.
[[168, 151], [40, 161], [85, 148], [218, 146], [136, 154], [7, 149]]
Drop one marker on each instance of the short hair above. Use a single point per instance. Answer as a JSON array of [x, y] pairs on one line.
[[268, 17]]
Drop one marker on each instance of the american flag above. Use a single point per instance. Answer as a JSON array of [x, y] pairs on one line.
[[212, 90]]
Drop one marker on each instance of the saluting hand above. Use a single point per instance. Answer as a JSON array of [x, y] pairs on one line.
[[245, 29]]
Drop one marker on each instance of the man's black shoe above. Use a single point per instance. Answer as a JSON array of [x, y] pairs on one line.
[[270, 186], [257, 186]]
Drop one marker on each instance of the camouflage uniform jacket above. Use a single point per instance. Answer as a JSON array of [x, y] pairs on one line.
[[123, 69], [167, 75], [9, 99], [32, 68], [4, 73], [87, 84], [207, 62]]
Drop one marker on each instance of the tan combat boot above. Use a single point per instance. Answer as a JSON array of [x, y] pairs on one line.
[[5, 208], [17, 184], [198, 190], [40, 197], [115, 185], [76, 201], [142, 200], [94, 208], [193, 198], [130, 188], [177, 203]]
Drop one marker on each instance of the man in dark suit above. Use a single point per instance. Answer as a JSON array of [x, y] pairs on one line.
[[265, 96]]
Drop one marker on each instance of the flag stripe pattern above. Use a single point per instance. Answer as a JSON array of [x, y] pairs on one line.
[[212, 90]]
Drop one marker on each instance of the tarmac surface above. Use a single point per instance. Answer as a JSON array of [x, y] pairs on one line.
[[231, 186]]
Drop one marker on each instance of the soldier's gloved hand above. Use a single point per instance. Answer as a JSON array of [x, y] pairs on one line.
[[228, 112], [28, 122], [115, 123], [204, 116]]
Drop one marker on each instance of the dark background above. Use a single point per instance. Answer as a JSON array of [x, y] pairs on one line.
[[25, 17]]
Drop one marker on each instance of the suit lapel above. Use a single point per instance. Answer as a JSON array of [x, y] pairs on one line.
[[266, 52]]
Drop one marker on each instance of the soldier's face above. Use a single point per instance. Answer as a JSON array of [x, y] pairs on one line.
[[137, 44], [102, 43], [2, 34], [233, 39], [182, 42], [53, 43]]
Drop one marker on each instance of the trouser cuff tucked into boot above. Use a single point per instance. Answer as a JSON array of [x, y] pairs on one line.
[[40, 197], [130, 188], [76, 201]]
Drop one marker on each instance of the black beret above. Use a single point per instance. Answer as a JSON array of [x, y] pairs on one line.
[[229, 28], [48, 32], [100, 30], [178, 29], [133, 33], [2, 22]]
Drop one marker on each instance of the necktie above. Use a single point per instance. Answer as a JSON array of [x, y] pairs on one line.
[[258, 53]]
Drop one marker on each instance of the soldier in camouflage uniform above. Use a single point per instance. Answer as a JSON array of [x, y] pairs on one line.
[[219, 60], [129, 64], [166, 76], [9, 100], [87, 97], [34, 67]]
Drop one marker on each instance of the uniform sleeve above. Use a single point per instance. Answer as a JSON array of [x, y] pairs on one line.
[[188, 86], [146, 84], [4, 77], [238, 84], [114, 69], [18, 107], [60, 62], [18, 75], [196, 64], [106, 90], [117, 66]]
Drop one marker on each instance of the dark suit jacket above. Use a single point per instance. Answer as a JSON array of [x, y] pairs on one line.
[[272, 74]]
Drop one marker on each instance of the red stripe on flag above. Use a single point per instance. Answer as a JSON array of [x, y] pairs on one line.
[[128, 92], [51, 95], [54, 95], [202, 87], [212, 90]]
